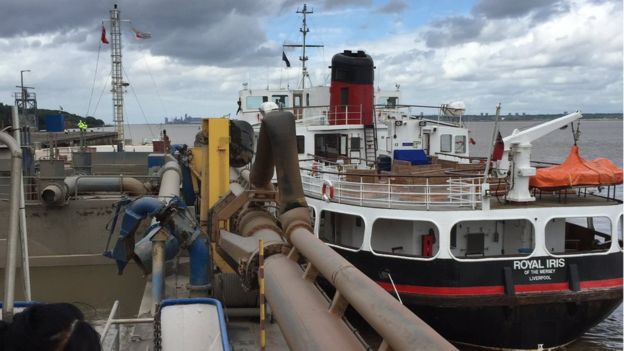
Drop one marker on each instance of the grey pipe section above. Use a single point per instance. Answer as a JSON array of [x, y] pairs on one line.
[[22, 216], [302, 311], [11, 255], [170, 175], [54, 194], [88, 184]]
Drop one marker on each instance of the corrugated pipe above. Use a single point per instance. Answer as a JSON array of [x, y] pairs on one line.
[[11, 254], [277, 137]]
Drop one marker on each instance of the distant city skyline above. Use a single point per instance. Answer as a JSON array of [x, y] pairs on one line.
[[532, 56]]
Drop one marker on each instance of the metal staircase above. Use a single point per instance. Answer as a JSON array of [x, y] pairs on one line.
[[370, 144]]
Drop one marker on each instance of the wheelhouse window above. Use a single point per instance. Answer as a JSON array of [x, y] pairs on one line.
[[300, 144], [330, 146], [405, 238], [280, 100], [446, 141], [341, 229], [387, 101], [460, 144], [574, 235], [254, 102], [492, 238]]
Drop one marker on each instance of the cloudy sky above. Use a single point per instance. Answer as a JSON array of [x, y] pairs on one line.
[[531, 55]]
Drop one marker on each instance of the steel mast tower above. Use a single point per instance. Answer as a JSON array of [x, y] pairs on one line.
[[303, 58], [117, 84]]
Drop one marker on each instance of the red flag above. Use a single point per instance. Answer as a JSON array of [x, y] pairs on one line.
[[499, 147], [472, 141], [103, 38]]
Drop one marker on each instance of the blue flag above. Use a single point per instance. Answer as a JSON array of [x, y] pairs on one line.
[[285, 59]]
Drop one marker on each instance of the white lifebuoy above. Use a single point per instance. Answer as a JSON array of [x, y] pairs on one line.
[[327, 190]]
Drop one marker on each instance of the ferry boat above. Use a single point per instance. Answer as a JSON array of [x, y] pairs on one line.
[[481, 250]]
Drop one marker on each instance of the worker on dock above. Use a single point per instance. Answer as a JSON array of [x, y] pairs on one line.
[[49, 327]]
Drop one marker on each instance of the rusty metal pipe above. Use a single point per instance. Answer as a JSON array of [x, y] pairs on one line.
[[302, 311], [399, 327]]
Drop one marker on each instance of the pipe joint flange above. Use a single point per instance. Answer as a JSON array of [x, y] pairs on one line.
[[296, 218], [170, 166], [252, 218]]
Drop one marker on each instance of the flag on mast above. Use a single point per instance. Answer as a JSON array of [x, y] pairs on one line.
[[141, 35], [103, 37], [285, 59], [499, 148]]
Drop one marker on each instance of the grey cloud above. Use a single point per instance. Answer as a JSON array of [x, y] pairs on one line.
[[453, 30], [394, 6], [208, 32], [338, 4], [541, 9]]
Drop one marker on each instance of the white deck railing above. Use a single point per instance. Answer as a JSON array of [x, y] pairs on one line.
[[454, 193]]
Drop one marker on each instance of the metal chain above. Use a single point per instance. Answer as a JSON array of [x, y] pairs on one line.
[[157, 330]]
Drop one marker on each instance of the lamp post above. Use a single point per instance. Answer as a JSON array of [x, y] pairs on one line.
[[24, 94]]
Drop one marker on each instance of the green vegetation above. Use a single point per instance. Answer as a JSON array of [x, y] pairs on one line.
[[71, 120]]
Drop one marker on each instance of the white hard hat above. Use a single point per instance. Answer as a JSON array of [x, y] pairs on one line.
[[267, 107]]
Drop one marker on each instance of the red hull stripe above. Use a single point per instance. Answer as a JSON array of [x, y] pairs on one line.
[[498, 289]]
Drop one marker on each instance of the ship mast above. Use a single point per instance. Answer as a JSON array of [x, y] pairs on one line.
[[303, 58], [117, 84]]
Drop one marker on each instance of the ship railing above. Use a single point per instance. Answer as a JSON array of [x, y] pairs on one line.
[[30, 189], [390, 191], [323, 115], [114, 324]]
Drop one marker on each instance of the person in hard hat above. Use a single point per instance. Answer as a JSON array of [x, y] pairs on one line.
[[267, 107], [82, 126]]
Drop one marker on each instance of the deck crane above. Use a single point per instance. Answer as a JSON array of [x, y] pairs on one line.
[[518, 148]]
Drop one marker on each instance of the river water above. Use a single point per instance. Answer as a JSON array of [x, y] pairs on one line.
[[599, 138]]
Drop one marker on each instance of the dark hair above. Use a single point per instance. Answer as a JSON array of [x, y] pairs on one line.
[[49, 327]]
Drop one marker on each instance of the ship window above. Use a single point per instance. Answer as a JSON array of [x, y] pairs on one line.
[[574, 235], [405, 238], [620, 229], [492, 238], [355, 143], [280, 100], [445, 143], [330, 146], [388, 101], [307, 99], [341, 229], [344, 96], [460, 144], [253, 102], [300, 144], [297, 100]]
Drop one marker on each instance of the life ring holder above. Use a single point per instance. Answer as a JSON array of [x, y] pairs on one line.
[[327, 190]]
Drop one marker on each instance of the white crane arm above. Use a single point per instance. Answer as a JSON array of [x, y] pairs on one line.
[[540, 130]]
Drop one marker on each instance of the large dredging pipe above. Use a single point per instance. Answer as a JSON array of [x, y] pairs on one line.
[[399, 327], [54, 193], [11, 254]]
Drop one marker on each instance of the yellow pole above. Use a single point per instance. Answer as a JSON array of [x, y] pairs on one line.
[[215, 172], [261, 284]]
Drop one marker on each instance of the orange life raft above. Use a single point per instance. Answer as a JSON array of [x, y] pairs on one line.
[[576, 171]]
